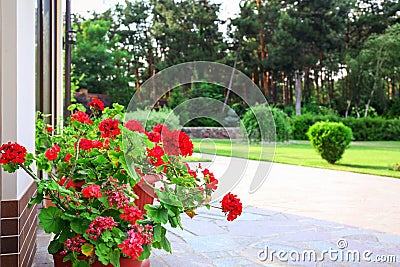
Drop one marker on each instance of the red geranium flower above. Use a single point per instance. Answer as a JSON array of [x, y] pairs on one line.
[[131, 214], [154, 136], [12, 153], [52, 153], [134, 125], [96, 104], [177, 143], [87, 144], [100, 225], [109, 128], [67, 183], [75, 244], [159, 128], [48, 128], [231, 205], [209, 178], [67, 157], [92, 190], [155, 155], [132, 246], [81, 117]]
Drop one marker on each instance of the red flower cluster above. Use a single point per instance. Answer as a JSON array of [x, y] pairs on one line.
[[12, 153], [109, 128], [67, 183], [134, 125], [231, 205], [74, 244], [176, 143], [48, 129], [115, 195], [81, 117], [132, 246], [154, 137], [209, 178], [96, 104], [100, 225], [155, 155], [131, 214], [52, 153], [87, 144], [67, 158], [92, 190], [159, 128]]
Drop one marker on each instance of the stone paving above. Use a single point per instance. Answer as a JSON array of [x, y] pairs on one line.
[[299, 216], [210, 240]]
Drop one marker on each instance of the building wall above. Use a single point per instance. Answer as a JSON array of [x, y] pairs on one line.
[[18, 77]]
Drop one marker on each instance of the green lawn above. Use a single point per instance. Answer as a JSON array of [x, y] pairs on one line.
[[375, 158]]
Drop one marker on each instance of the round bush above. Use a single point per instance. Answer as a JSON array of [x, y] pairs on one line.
[[260, 120], [330, 139]]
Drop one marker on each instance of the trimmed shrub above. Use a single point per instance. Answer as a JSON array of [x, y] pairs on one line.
[[374, 129], [282, 125], [301, 124], [364, 129], [152, 118], [330, 139], [258, 121]]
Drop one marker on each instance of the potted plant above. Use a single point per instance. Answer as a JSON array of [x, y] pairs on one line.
[[101, 176]]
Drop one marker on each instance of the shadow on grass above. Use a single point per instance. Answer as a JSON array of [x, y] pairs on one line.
[[359, 166]]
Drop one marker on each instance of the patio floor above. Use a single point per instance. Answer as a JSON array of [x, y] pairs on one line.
[[299, 217]]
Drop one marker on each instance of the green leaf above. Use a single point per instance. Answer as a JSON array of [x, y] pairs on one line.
[[166, 245], [54, 246], [100, 159], [71, 107], [103, 252], [36, 200], [168, 198], [145, 253], [79, 226], [157, 213], [114, 258], [87, 249], [159, 232], [50, 220], [106, 236], [80, 263]]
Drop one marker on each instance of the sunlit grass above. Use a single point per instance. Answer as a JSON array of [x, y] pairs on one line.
[[375, 158]]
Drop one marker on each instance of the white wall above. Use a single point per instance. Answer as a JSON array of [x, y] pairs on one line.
[[17, 88]]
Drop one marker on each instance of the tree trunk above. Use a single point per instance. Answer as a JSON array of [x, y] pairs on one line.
[[390, 89], [347, 108], [274, 92], [307, 92], [317, 98], [290, 100], [322, 87], [330, 90], [297, 87], [284, 90], [228, 90], [379, 63]]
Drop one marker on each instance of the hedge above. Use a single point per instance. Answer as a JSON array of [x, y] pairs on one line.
[[364, 129]]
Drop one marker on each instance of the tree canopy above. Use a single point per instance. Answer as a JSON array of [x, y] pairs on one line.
[[340, 54]]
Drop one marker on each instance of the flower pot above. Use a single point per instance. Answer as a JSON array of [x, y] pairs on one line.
[[125, 262], [145, 192]]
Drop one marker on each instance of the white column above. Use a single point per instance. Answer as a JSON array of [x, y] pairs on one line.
[[17, 86]]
